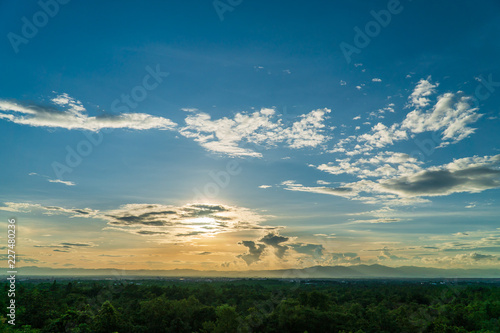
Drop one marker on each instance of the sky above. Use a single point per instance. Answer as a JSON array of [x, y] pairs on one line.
[[236, 135]]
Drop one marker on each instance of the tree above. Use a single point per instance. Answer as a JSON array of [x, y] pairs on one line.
[[108, 319], [227, 319]]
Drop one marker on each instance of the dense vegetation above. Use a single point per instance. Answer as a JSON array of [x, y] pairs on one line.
[[254, 306]]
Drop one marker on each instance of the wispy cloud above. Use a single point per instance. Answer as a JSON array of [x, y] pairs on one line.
[[65, 182], [59, 181], [69, 113], [23, 207]]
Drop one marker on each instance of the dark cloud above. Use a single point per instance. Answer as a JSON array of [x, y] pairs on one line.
[[274, 240], [473, 248], [80, 211], [147, 232], [161, 215], [65, 247], [254, 252], [478, 256], [182, 221], [444, 182], [204, 253], [313, 250], [192, 233]]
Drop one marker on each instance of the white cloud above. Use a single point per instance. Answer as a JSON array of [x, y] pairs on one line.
[[226, 135], [405, 182], [291, 185], [65, 182], [424, 88], [451, 115], [307, 132], [343, 83], [381, 135], [376, 79], [70, 114], [265, 186], [24, 207]]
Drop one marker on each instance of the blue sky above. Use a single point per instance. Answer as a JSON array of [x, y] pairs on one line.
[[246, 135]]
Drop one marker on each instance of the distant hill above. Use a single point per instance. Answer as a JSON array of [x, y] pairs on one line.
[[356, 271]]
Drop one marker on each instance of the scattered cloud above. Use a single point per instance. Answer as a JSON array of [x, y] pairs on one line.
[[163, 223], [259, 128], [381, 135], [407, 184], [174, 223], [451, 115]]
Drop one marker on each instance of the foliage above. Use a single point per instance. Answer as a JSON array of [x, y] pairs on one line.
[[221, 306]]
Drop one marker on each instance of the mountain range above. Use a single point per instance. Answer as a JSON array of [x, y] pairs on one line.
[[354, 271]]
